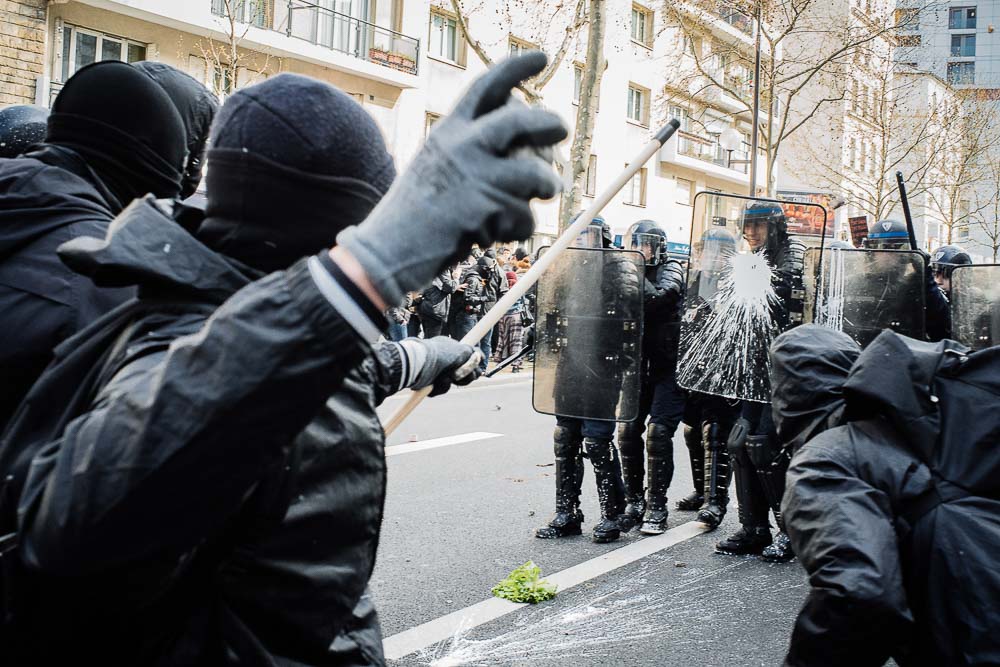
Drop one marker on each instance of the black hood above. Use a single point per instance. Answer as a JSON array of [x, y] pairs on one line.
[[144, 246], [809, 366], [942, 398], [46, 189], [125, 127], [196, 106]]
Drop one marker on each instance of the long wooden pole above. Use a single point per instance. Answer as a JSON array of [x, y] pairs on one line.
[[489, 320]]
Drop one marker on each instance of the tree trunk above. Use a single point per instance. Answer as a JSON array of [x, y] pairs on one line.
[[586, 114]]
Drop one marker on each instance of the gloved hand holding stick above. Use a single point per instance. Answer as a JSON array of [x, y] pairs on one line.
[[489, 319]]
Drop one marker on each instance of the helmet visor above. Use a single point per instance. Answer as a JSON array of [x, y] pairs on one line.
[[651, 246]]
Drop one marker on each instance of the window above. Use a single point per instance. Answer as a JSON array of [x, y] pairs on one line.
[[961, 18], [959, 73], [443, 41], [82, 47], [962, 232], [855, 97], [222, 80], [254, 12], [863, 165], [577, 82], [638, 104], [591, 188], [683, 115], [852, 153], [635, 190], [519, 47], [429, 121], [908, 20], [642, 25], [683, 192], [963, 45]]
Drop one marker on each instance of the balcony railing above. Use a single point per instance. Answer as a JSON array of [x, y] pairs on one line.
[[724, 11], [709, 150], [353, 36]]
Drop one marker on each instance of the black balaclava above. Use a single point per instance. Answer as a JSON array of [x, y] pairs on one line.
[[21, 127], [197, 107], [124, 127], [292, 162]]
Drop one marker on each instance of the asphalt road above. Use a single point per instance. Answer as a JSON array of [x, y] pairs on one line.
[[460, 515]]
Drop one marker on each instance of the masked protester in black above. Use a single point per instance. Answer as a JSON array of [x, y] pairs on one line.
[[264, 416], [892, 500], [113, 135], [21, 127], [196, 106]]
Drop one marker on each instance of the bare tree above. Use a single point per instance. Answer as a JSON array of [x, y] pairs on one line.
[[987, 217], [226, 58], [564, 20], [806, 56]]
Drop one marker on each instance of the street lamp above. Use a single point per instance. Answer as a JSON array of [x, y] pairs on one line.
[[730, 140]]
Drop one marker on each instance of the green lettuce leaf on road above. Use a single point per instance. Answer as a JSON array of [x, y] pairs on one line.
[[524, 585]]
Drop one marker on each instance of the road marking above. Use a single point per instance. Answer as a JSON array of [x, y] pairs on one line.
[[421, 445], [445, 627]]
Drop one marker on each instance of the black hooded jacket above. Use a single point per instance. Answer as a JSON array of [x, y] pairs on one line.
[[49, 196], [218, 501], [896, 514]]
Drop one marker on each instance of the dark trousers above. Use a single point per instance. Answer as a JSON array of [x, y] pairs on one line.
[[588, 428], [413, 326], [432, 328], [463, 324]]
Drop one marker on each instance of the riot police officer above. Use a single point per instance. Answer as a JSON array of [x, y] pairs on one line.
[[660, 398], [573, 436], [893, 235], [943, 263], [759, 462]]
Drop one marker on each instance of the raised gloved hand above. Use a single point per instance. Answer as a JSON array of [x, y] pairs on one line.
[[470, 183], [440, 361]]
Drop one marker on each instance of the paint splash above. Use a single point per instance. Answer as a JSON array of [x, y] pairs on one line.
[[725, 338]]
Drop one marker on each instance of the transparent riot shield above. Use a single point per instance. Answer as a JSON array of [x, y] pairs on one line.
[[744, 287], [975, 305], [862, 292], [588, 335]]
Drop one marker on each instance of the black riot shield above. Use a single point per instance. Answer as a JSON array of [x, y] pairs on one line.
[[975, 305], [862, 292], [744, 287], [588, 337]]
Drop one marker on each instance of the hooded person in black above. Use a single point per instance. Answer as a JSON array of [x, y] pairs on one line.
[[892, 501], [265, 556], [113, 135], [197, 107]]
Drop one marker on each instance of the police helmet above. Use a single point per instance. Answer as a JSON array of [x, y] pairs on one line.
[[889, 235], [946, 258], [603, 233], [21, 126], [840, 245], [648, 233]]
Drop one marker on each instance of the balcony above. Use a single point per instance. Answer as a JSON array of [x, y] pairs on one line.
[[709, 150], [727, 14], [353, 36]]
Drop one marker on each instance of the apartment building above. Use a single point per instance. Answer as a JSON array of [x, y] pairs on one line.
[[407, 61]]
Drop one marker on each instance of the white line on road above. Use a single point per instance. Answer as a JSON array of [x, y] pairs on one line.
[[445, 627], [421, 445]]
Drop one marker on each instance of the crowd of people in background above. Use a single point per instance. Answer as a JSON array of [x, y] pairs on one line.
[[460, 295]]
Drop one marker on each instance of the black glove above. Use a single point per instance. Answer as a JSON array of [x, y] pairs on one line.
[[471, 183], [440, 361]]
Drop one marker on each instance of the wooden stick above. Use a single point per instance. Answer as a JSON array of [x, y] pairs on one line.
[[489, 320]]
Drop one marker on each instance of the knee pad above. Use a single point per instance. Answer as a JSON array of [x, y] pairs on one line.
[[566, 442], [659, 440], [738, 437], [762, 451], [598, 451], [692, 438], [630, 432]]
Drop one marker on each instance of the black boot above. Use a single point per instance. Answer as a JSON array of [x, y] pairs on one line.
[[661, 471], [772, 464], [610, 489], [745, 541], [717, 476], [696, 452], [632, 457], [569, 477], [755, 533]]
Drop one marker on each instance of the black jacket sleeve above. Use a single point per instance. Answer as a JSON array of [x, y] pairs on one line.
[[664, 292], [842, 530], [177, 439]]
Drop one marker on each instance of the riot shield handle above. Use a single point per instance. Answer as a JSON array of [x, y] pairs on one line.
[[520, 288], [906, 210]]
